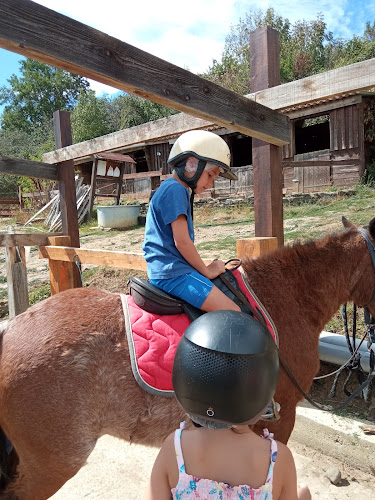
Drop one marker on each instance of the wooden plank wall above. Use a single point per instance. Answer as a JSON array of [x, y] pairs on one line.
[[346, 143]]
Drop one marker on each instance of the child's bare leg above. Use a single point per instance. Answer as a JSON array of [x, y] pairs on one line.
[[217, 300], [303, 493]]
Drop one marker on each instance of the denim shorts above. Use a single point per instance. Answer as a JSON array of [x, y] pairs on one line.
[[192, 287]]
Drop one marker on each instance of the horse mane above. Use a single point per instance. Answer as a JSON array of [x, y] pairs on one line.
[[295, 253]]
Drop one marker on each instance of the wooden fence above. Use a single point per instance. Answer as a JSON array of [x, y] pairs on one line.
[[61, 258]]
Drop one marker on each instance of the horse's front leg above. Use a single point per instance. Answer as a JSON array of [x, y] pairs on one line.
[[45, 468]]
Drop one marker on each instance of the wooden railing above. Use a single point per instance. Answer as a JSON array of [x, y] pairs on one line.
[[55, 247]]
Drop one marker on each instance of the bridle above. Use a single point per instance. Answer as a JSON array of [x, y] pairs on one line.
[[370, 331], [354, 364]]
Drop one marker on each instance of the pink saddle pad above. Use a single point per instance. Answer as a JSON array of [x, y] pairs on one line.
[[153, 340]]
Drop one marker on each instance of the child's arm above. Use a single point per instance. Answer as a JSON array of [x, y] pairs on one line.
[[187, 249], [158, 487], [285, 469]]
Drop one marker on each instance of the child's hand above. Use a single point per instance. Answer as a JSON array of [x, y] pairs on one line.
[[215, 268]]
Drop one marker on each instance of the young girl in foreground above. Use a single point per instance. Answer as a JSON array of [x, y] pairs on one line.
[[224, 380]]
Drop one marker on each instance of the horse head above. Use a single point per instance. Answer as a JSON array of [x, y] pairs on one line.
[[363, 291]]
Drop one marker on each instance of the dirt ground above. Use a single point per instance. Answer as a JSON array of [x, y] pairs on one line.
[[118, 471]]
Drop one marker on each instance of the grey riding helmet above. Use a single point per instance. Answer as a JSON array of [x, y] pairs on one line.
[[226, 368]]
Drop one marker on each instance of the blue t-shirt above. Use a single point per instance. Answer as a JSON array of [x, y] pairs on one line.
[[163, 259]]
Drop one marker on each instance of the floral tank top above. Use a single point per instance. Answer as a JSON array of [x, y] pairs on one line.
[[190, 487]]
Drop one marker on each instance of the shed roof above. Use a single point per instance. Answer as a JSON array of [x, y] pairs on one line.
[[115, 157]]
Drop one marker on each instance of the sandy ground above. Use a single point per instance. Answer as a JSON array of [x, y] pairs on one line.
[[119, 471]]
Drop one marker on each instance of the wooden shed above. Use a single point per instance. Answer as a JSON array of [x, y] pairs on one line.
[[330, 143]]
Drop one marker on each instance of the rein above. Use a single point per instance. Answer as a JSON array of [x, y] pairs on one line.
[[354, 360]]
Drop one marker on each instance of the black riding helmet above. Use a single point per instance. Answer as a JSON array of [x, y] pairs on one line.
[[226, 368]]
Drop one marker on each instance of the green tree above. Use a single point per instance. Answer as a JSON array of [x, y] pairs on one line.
[[32, 98], [306, 48], [128, 110], [91, 117]]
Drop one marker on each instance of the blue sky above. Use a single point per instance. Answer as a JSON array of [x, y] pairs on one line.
[[192, 34]]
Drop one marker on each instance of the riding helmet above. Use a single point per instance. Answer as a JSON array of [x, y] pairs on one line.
[[226, 368], [207, 147]]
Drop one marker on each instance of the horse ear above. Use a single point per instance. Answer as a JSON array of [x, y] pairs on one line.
[[371, 228], [346, 223]]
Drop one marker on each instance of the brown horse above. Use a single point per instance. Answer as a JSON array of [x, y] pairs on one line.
[[66, 378]]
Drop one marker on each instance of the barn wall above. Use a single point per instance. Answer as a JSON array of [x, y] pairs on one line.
[[345, 157]]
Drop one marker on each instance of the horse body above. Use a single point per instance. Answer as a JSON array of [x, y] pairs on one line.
[[66, 378]]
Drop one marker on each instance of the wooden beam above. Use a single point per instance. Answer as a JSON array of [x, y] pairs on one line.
[[18, 296], [267, 158], [25, 240], [159, 130], [321, 163], [254, 247], [141, 175], [334, 83], [280, 97], [60, 273], [65, 170], [124, 260], [70, 276], [45, 35], [28, 168]]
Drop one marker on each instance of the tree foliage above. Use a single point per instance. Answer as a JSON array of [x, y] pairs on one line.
[[306, 48], [129, 110], [91, 117], [32, 98]]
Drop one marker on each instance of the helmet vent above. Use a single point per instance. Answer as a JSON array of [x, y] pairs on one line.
[[209, 363]]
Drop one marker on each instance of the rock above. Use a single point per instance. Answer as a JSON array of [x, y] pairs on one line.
[[333, 474]]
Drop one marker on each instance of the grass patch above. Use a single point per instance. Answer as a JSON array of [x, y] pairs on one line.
[[39, 293], [228, 243], [3, 279]]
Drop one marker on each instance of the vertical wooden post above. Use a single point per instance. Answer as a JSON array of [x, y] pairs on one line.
[[267, 158], [18, 295], [254, 247], [67, 188], [119, 185], [60, 272], [93, 187]]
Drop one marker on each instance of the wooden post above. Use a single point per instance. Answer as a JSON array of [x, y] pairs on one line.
[[267, 159], [18, 295], [67, 188], [119, 185], [61, 272], [92, 188], [254, 247]]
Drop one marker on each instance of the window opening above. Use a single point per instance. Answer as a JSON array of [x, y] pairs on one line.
[[312, 134]]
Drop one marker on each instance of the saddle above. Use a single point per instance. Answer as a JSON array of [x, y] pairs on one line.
[[155, 322], [154, 300]]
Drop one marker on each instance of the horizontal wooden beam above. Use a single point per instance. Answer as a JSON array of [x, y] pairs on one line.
[[321, 163], [125, 260], [43, 34], [9, 201], [161, 130], [25, 240], [157, 131], [140, 175], [334, 83], [28, 168]]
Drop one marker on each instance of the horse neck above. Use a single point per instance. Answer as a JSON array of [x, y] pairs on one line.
[[315, 278]]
